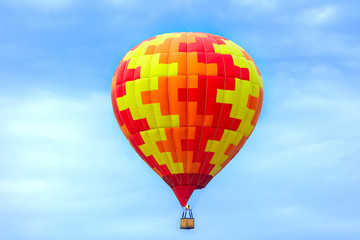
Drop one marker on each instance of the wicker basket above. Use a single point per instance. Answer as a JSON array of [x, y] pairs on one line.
[[186, 223]]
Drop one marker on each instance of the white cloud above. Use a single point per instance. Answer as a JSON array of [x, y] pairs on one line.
[[64, 156], [38, 117], [24, 187], [51, 133], [66, 171], [48, 116], [307, 137], [318, 15]]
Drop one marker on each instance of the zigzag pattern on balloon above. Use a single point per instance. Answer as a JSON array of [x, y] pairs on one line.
[[187, 102]]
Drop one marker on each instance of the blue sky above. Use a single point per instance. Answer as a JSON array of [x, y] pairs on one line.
[[66, 171]]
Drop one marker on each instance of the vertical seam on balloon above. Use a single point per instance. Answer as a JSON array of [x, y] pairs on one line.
[[123, 82], [117, 106], [237, 133], [258, 85], [136, 103], [126, 68], [252, 86], [232, 49], [170, 160], [259, 103], [135, 97], [187, 114], [172, 127], [202, 127], [247, 112], [236, 110], [151, 101], [222, 106]]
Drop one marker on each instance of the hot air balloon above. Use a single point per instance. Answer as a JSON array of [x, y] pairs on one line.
[[187, 103]]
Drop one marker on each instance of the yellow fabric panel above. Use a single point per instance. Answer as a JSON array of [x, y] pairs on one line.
[[128, 55], [133, 101], [253, 73], [219, 148], [229, 48], [137, 51], [161, 120], [245, 128], [238, 98], [254, 76], [144, 61], [150, 138], [168, 35], [223, 49], [241, 62], [158, 69], [150, 66], [255, 90]]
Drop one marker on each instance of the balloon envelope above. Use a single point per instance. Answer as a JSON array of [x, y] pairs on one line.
[[187, 102]]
